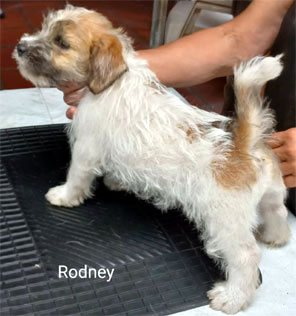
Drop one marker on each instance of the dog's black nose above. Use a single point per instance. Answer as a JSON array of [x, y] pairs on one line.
[[20, 49]]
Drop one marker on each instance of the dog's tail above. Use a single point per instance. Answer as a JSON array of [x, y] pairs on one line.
[[254, 120]]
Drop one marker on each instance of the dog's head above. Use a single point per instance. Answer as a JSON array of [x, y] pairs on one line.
[[74, 44]]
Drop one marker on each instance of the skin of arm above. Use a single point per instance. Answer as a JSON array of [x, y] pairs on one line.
[[210, 53], [213, 52]]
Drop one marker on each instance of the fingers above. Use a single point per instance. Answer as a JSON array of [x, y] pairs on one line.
[[73, 93], [276, 140], [280, 153], [290, 181], [70, 112], [73, 98], [284, 144], [285, 149], [288, 168], [70, 86]]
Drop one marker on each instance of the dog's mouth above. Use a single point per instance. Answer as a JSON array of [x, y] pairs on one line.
[[34, 64]]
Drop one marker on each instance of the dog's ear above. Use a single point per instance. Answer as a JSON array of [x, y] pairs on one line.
[[106, 63]]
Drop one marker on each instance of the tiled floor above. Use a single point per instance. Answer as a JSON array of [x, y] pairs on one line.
[[134, 16]]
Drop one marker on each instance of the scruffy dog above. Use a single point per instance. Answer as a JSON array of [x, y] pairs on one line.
[[143, 139]]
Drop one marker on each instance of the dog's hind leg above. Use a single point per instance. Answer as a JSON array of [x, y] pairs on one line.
[[274, 230], [113, 184], [82, 171], [228, 236]]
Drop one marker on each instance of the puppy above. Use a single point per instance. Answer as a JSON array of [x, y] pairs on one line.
[[138, 135]]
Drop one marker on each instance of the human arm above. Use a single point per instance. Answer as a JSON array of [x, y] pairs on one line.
[[214, 52]]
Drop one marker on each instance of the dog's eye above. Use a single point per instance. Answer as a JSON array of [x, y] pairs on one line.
[[61, 43]]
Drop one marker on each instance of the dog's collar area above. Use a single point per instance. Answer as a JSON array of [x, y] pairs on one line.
[[110, 83]]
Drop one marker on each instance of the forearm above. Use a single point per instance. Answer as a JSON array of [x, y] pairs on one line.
[[214, 52], [192, 59]]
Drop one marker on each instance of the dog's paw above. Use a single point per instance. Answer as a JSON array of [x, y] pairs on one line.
[[60, 196], [274, 238], [276, 243], [112, 184], [227, 299]]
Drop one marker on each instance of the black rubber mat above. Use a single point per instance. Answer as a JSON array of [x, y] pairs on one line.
[[159, 265]]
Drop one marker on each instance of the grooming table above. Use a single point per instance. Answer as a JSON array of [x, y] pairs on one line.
[[160, 267]]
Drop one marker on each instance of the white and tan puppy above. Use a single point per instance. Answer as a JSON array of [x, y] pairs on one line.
[[143, 139]]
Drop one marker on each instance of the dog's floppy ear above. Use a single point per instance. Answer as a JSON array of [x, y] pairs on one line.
[[106, 63]]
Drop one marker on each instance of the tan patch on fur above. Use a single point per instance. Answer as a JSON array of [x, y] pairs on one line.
[[95, 56], [238, 172], [190, 133], [193, 134], [106, 61], [74, 59]]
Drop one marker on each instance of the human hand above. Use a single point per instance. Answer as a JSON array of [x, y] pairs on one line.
[[73, 93], [283, 145]]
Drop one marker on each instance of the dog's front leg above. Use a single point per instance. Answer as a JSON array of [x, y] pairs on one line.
[[83, 169]]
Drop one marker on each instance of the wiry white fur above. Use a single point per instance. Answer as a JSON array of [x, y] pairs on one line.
[[135, 133], [141, 136], [249, 79]]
